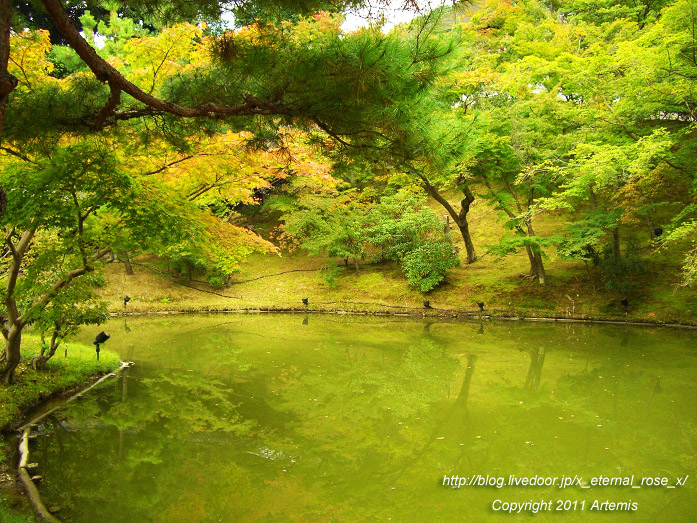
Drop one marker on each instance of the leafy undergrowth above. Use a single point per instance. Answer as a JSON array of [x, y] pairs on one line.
[[63, 373]]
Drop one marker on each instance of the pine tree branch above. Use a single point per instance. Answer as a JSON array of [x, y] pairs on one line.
[[16, 154], [118, 83]]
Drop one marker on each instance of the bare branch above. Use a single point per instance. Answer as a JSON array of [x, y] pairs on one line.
[[170, 164]]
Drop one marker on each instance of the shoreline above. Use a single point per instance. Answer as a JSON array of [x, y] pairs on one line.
[[23, 466], [10, 476], [414, 312]]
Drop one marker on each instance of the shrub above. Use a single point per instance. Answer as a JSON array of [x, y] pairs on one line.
[[425, 266]]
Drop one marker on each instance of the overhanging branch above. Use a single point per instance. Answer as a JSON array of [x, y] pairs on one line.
[[118, 83]]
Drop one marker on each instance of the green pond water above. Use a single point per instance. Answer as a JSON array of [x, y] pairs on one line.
[[344, 418]]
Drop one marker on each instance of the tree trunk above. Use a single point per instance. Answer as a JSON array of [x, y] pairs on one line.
[[541, 275], [469, 246], [533, 264], [127, 263], [39, 363], [537, 269], [13, 333], [538, 266], [460, 218], [616, 253], [463, 225], [11, 356]]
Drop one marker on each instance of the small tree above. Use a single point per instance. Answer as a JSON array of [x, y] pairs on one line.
[[64, 208], [408, 232], [63, 317]]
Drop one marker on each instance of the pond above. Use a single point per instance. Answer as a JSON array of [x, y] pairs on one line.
[[346, 418]]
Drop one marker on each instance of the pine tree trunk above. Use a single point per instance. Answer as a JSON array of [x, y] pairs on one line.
[[460, 218], [469, 246], [463, 225]]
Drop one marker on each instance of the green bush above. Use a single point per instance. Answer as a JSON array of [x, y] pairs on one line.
[[331, 274], [399, 228], [425, 266]]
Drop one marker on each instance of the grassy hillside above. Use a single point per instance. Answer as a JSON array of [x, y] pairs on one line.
[[271, 282]]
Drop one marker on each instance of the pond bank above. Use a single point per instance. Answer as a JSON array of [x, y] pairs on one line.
[[273, 284], [63, 376], [414, 312], [25, 468]]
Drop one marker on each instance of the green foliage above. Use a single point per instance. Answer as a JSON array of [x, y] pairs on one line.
[[88, 201], [72, 309], [511, 244], [425, 266], [684, 232], [350, 225], [583, 110], [400, 224], [586, 237], [690, 268], [332, 273], [579, 109]]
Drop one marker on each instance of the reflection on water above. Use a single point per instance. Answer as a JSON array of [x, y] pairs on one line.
[[287, 418]]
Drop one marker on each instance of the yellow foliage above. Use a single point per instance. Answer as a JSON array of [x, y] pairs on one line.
[[28, 57], [153, 59]]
